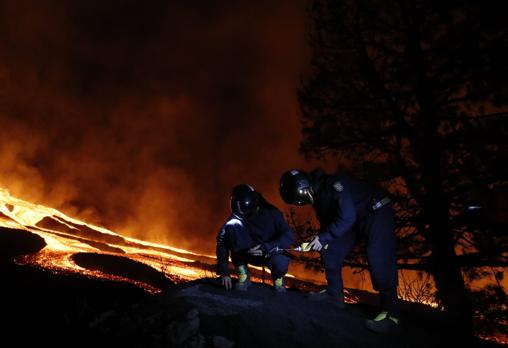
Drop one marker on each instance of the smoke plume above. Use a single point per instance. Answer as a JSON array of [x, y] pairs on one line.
[[141, 116]]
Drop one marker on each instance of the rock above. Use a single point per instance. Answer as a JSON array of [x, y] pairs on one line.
[[197, 341], [222, 342], [193, 313], [178, 332], [102, 318], [18, 242], [261, 318], [216, 304]]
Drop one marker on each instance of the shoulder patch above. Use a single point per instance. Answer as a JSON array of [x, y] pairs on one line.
[[233, 222], [338, 186]]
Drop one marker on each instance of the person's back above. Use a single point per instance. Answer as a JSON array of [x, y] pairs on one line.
[[268, 228], [325, 187]]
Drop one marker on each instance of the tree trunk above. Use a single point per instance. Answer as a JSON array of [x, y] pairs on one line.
[[451, 290], [447, 273], [444, 262]]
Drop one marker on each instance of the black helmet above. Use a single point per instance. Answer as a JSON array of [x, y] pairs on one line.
[[244, 200], [295, 187]]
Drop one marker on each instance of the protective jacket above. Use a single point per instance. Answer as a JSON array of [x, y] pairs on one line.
[[267, 227], [339, 201]]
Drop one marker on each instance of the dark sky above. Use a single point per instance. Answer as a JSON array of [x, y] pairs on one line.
[[141, 115]]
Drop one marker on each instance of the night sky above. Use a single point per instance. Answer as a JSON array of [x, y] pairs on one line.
[[141, 116]]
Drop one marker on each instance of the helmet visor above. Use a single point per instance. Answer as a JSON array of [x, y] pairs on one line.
[[303, 196], [244, 200], [295, 188]]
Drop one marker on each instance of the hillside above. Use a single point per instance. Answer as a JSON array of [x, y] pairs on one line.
[[59, 309]]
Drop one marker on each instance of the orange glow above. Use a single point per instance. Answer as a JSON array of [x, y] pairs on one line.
[[62, 244]]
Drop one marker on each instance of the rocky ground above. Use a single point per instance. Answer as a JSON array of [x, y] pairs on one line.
[[47, 309]]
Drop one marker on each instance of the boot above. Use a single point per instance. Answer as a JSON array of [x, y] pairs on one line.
[[243, 278], [383, 323], [278, 284]]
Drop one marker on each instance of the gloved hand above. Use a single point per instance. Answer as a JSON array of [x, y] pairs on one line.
[[255, 251], [226, 282], [315, 244]]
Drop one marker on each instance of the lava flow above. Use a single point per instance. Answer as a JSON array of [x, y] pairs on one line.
[[67, 238], [74, 246]]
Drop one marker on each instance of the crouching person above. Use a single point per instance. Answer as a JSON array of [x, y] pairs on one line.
[[253, 234]]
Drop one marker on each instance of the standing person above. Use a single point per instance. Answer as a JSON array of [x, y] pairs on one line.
[[253, 230], [347, 209]]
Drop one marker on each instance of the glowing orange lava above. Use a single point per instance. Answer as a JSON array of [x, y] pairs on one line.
[[66, 236]]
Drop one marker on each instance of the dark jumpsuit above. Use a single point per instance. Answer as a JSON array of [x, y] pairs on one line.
[[268, 228], [343, 207]]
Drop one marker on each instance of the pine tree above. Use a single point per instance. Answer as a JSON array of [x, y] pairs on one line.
[[414, 94]]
